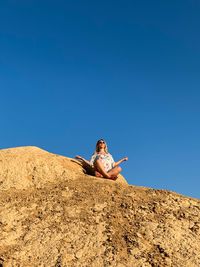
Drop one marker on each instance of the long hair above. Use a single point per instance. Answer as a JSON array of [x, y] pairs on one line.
[[97, 147]]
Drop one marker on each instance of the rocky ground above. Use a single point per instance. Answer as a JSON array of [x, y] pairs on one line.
[[54, 214]]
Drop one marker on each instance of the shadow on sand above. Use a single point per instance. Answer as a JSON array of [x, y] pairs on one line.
[[88, 169]]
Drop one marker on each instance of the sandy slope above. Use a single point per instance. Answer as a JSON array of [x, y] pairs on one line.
[[53, 214]]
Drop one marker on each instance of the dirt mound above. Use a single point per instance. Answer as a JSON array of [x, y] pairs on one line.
[[27, 167], [74, 219]]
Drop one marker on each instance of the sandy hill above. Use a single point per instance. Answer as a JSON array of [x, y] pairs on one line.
[[53, 214]]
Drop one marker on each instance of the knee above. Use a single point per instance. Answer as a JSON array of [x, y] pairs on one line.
[[119, 169]]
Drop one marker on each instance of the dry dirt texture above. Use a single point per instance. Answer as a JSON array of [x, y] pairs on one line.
[[54, 214]]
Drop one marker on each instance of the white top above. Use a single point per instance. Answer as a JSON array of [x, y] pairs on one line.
[[106, 159]]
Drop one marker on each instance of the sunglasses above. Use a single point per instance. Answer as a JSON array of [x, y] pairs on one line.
[[101, 142]]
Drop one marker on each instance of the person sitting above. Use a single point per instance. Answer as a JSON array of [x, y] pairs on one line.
[[102, 162]]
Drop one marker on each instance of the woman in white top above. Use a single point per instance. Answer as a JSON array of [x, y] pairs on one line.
[[103, 162]]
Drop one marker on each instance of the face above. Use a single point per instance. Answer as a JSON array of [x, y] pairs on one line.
[[101, 144]]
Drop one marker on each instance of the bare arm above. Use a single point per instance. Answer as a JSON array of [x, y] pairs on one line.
[[120, 161], [81, 158]]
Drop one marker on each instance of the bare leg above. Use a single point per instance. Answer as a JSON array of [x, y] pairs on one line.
[[114, 172], [100, 168]]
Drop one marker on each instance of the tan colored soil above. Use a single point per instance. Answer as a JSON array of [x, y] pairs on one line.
[[54, 214]]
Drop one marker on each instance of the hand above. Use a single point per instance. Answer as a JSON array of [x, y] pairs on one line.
[[78, 157], [125, 159]]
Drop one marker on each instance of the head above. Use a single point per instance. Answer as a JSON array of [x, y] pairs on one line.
[[101, 143]]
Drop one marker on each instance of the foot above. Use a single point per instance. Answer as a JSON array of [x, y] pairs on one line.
[[98, 174], [114, 178], [111, 177]]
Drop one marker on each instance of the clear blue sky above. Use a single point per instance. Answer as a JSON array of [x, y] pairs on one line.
[[72, 72]]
